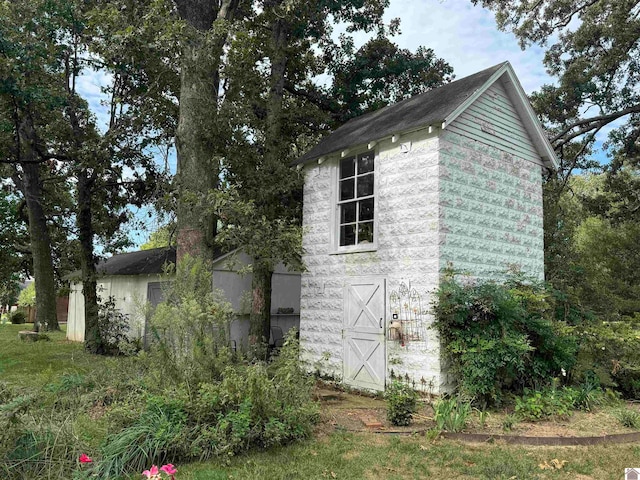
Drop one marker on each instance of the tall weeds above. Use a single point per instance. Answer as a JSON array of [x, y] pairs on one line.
[[187, 398]]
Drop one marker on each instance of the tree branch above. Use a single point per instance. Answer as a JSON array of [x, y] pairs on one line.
[[584, 146], [26, 249], [563, 22], [588, 124], [314, 97]]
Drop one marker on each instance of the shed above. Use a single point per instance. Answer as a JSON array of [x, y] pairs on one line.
[[132, 279], [450, 177], [135, 278]]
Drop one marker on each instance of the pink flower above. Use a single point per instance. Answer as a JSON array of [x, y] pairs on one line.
[[169, 469], [153, 472], [85, 459]]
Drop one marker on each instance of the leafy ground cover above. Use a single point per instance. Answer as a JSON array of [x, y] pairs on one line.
[[334, 452]]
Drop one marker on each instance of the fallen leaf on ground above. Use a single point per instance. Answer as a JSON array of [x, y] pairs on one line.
[[554, 465], [558, 464]]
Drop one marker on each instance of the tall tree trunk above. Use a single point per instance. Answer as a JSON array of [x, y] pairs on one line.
[[198, 168], [85, 185], [31, 184], [197, 139], [263, 268], [92, 339], [260, 318], [279, 60]]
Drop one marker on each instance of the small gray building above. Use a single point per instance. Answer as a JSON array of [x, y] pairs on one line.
[[451, 177], [136, 279]]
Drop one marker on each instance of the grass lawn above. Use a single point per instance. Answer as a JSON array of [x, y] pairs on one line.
[[332, 453], [34, 364], [374, 456]]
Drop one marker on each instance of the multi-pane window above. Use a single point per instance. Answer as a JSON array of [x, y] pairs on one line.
[[356, 199]]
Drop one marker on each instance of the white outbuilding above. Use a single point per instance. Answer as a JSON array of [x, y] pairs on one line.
[[450, 177], [137, 279], [131, 279]]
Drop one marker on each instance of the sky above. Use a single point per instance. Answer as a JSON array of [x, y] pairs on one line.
[[466, 36]]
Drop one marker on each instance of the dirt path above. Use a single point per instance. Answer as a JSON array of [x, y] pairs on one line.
[[353, 412]]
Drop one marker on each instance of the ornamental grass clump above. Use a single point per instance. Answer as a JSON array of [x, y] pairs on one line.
[[451, 414], [628, 418]]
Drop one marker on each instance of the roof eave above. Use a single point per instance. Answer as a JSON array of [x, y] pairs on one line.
[[369, 145], [321, 158], [530, 119], [521, 102]]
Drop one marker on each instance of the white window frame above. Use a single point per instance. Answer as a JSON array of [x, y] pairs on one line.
[[336, 248]]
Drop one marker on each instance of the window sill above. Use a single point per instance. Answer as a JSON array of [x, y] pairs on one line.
[[358, 249]]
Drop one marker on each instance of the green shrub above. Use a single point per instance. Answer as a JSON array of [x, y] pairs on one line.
[[501, 338], [451, 414], [113, 326], [18, 317], [509, 421], [531, 406], [536, 405], [190, 331], [401, 403], [608, 353]]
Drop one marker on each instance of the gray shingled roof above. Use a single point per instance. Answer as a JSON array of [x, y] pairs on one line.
[[142, 262], [138, 263], [429, 108]]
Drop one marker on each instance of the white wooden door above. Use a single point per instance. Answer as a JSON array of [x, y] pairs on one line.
[[363, 333]]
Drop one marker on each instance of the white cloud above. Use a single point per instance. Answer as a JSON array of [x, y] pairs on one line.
[[467, 37]]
